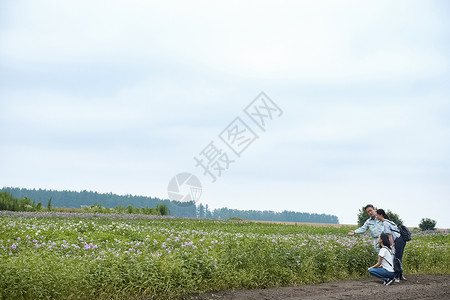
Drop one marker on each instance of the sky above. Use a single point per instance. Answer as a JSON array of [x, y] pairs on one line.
[[121, 96]]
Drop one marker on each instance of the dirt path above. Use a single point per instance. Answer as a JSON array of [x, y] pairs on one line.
[[417, 287]]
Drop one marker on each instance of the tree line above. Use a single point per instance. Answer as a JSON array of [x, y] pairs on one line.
[[11, 203], [74, 199], [264, 215]]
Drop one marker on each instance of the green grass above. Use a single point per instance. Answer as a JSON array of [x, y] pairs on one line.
[[82, 256]]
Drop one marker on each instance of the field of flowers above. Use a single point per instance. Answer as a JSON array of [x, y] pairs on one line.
[[80, 256]]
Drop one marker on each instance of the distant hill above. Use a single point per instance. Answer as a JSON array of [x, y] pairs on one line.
[[77, 199]]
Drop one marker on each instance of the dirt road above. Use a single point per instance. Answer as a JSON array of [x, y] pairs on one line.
[[417, 287]]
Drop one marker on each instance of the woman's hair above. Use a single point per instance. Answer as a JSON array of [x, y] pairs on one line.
[[381, 212], [385, 240]]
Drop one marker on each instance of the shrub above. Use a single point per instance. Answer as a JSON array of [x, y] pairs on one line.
[[427, 224]]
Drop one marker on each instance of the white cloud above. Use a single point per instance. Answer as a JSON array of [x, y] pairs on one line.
[[307, 41]]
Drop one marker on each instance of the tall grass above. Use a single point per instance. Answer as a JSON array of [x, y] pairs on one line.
[[112, 256]]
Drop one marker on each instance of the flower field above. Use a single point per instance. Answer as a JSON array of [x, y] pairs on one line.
[[80, 256]]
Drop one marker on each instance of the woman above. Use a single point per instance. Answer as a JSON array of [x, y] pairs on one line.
[[384, 268], [395, 238]]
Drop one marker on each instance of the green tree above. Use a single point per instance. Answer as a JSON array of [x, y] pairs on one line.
[[427, 224], [163, 210], [119, 209], [208, 214], [201, 211], [363, 216], [129, 209], [49, 204], [394, 217]]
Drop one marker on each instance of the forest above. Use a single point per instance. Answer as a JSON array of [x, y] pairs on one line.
[[78, 199]]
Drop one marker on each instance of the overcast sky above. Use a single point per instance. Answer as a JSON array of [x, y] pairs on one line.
[[120, 96]]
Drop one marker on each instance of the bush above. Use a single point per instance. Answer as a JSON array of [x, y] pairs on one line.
[[427, 224], [9, 202], [163, 210]]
